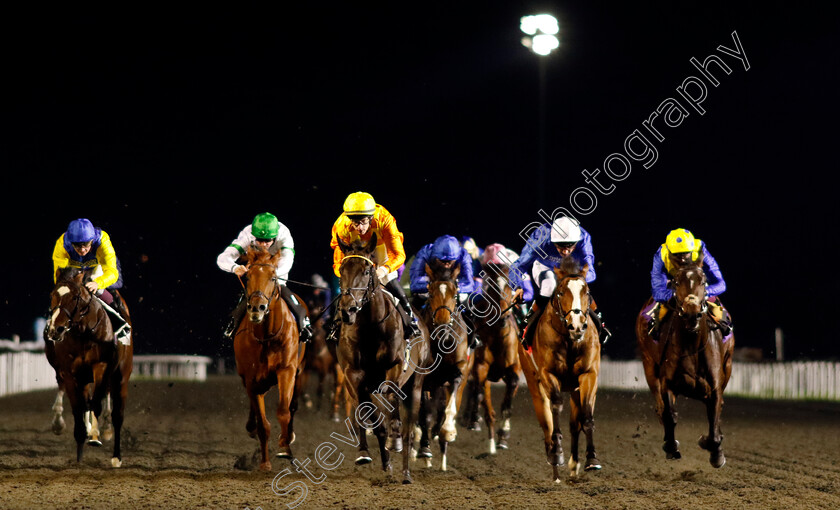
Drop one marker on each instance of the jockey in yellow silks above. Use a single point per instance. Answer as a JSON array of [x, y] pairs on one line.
[[361, 218], [87, 247]]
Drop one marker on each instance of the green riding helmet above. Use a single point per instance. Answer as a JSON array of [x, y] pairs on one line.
[[265, 226]]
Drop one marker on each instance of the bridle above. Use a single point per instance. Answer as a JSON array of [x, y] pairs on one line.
[[452, 313], [680, 308], [558, 307], [368, 290], [259, 293], [76, 312]]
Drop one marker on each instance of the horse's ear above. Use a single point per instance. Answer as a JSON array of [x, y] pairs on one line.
[[456, 270], [345, 248], [277, 256], [699, 260], [559, 272], [584, 270], [429, 272]]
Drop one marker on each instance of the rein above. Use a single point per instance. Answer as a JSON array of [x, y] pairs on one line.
[[559, 308]]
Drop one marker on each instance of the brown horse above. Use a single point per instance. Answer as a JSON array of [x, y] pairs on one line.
[[380, 366], [89, 365], [691, 358], [566, 358], [452, 361], [497, 358], [268, 353]]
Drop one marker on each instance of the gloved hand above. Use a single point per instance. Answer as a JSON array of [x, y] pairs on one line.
[[382, 272]]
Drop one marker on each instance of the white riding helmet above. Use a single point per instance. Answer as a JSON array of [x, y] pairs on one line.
[[565, 230]]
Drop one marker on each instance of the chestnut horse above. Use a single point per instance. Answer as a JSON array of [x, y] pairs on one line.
[[691, 358], [89, 365], [566, 358], [497, 357], [268, 353], [377, 360], [452, 361]]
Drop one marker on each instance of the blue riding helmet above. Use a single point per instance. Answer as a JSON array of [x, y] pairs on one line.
[[80, 231], [446, 248]]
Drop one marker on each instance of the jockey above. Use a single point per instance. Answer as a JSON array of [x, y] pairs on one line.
[[476, 253], [446, 251], [265, 233], [362, 217], [544, 251], [684, 245], [90, 248], [498, 254]]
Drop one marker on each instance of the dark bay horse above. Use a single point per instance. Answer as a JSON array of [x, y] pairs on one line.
[[691, 358], [566, 358], [383, 372], [268, 353], [89, 365], [452, 361], [497, 357]]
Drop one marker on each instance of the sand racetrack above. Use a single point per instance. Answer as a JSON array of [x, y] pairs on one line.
[[185, 446]]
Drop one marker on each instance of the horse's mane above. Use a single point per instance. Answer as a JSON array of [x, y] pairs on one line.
[[443, 273], [569, 265], [69, 274]]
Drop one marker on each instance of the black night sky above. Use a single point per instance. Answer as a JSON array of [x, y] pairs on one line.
[[171, 130]]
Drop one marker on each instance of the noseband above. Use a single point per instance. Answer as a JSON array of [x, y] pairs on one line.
[[452, 312]]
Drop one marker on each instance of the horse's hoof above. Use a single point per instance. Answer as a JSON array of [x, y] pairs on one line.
[[94, 442], [449, 435], [285, 453], [292, 440], [115, 462], [363, 458], [592, 464], [474, 426], [396, 445], [424, 453], [503, 443], [717, 460], [265, 466], [108, 434], [672, 452], [335, 418], [407, 478], [58, 426]]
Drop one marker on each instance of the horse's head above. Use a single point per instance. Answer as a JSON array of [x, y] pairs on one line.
[[690, 291], [571, 297], [262, 286], [358, 278], [443, 292], [70, 302], [496, 285]]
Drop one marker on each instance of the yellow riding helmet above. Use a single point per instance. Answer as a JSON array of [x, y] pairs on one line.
[[681, 241], [359, 203]]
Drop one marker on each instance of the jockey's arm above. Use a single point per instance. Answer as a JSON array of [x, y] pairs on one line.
[[393, 239], [60, 257], [284, 265], [714, 279], [107, 258], [417, 272], [466, 282], [227, 260], [659, 279], [588, 257]]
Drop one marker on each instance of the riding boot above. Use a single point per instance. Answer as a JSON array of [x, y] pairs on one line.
[[656, 316], [409, 320], [472, 335], [304, 328], [720, 317], [122, 330], [235, 318], [603, 333], [533, 318]]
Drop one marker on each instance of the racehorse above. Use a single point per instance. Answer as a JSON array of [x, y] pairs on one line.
[[322, 362], [379, 365], [497, 358], [566, 358], [450, 349], [268, 353], [89, 364], [691, 358]]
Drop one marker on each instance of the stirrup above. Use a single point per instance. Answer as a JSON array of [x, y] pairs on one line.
[[604, 335], [123, 335], [306, 334]]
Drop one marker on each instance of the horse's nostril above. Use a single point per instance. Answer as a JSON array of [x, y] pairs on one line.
[[262, 308], [353, 309]]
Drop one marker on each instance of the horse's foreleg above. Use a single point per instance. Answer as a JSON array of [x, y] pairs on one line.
[[107, 426], [588, 384], [539, 397], [58, 424], [117, 398], [285, 407], [574, 428], [424, 421], [263, 427], [511, 379], [555, 448], [669, 420], [79, 406], [412, 407], [712, 441], [336, 403], [489, 416]]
